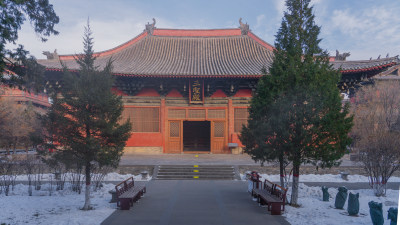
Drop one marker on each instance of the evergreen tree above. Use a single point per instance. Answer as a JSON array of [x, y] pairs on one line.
[[296, 113], [83, 123], [13, 13]]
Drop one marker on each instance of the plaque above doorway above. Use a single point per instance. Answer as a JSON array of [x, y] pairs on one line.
[[196, 91]]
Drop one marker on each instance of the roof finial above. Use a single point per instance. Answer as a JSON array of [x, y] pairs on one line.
[[387, 55], [379, 57], [150, 27], [245, 28], [49, 55], [341, 57]]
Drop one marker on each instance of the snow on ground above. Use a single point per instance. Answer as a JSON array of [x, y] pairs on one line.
[[109, 177], [323, 178], [63, 207], [314, 211]]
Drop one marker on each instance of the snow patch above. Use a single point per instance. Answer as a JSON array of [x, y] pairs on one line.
[[323, 178], [109, 177], [63, 207], [314, 211]]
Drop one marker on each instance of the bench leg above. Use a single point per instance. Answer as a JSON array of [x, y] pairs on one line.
[[275, 208], [125, 203]]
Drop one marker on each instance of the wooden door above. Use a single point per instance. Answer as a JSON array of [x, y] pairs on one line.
[[218, 137], [174, 137]]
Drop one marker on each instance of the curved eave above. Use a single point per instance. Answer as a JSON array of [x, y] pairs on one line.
[[375, 68], [254, 76], [177, 33], [109, 51]]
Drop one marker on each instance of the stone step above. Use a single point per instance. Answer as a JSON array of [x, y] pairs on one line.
[[196, 174], [203, 177], [210, 172], [193, 169], [199, 167]]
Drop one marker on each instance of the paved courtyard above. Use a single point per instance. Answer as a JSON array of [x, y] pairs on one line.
[[187, 202]]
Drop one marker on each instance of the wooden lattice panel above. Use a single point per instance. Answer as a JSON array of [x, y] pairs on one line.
[[174, 129], [241, 116], [216, 113], [146, 119], [197, 114], [219, 129], [125, 115], [177, 113]]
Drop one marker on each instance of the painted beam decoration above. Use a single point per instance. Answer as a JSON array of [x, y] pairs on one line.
[[196, 91]]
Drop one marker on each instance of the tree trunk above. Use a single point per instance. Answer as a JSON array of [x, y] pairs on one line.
[[282, 171], [14, 146], [379, 187], [295, 184], [29, 184], [87, 188]]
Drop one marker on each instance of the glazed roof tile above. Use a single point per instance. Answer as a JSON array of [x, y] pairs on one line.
[[365, 65], [183, 53], [199, 53]]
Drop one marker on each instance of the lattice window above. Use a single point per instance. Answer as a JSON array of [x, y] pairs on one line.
[[197, 113], [219, 129], [241, 116], [174, 129], [146, 119], [177, 113], [125, 115], [216, 113]]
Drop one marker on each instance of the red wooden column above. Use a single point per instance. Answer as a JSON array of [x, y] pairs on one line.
[[162, 122], [231, 120]]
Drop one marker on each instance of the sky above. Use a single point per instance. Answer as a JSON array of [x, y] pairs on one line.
[[365, 28]]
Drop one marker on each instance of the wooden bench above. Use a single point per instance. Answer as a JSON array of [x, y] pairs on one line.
[[128, 192], [273, 195]]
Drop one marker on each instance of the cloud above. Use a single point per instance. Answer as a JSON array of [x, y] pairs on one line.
[[370, 30], [106, 35], [260, 21], [280, 7], [109, 30]]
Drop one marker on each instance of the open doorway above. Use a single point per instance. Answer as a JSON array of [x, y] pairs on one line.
[[196, 136]]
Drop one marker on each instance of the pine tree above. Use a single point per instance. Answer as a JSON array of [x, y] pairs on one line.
[[84, 121], [296, 113], [14, 13]]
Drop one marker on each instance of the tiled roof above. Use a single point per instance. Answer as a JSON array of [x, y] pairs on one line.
[[199, 53], [365, 65], [224, 52]]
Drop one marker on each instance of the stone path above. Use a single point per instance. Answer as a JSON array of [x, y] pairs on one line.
[[188, 202]]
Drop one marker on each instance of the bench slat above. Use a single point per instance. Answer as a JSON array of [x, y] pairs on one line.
[[273, 195]]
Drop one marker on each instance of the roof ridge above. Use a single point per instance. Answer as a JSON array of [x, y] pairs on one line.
[[368, 60], [108, 51], [190, 29]]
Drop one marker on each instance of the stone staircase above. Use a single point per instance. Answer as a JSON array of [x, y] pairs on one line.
[[196, 172]]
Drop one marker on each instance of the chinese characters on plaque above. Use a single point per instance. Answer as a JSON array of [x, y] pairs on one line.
[[196, 91]]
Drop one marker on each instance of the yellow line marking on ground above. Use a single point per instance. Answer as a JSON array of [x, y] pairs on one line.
[[196, 156], [196, 166], [196, 171], [196, 177]]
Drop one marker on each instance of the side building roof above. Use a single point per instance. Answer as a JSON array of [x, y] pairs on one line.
[[359, 66]]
